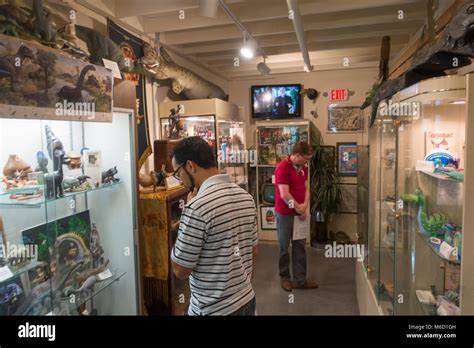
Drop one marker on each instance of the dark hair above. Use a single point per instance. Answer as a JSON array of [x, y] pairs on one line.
[[194, 149], [302, 148]]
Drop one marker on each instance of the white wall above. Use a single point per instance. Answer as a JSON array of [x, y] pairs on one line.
[[358, 80]]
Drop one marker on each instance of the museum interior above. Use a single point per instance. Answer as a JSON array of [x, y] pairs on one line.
[[101, 91]]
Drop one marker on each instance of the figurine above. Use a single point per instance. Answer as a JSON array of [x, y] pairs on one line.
[[16, 168], [54, 181], [109, 176], [153, 179], [175, 125], [42, 162], [82, 179], [70, 183], [430, 226], [55, 148], [74, 160]]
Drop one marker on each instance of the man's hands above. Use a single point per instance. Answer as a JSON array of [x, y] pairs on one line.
[[301, 210]]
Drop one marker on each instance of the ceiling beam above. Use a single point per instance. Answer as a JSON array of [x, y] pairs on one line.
[[321, 46], [252, 11], [284, 26], [392, 29], [362, 65]]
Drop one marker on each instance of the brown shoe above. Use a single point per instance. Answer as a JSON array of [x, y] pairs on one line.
[[305, 285], [286, 285]]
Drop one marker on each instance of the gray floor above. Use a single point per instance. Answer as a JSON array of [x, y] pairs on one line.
[[336, 294]]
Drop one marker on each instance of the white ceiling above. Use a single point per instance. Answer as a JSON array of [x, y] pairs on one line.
[[334, 29]]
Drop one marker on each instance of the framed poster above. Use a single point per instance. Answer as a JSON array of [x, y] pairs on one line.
[[268, 218], [349, 199], [347, 159], [345, 119]]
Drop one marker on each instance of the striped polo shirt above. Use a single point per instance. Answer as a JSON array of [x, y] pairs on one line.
[[217, 231]]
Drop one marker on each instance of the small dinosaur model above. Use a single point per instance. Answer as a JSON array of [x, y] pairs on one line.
[[109, 176], [455, 45], [430, 226]]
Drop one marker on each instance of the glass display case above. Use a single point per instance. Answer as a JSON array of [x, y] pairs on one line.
[[218, 122], [274, 141], [68, 217], [231, 151], [419, 230], [201, 126]]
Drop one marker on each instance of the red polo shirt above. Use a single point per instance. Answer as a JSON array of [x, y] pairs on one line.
[[286, 174]]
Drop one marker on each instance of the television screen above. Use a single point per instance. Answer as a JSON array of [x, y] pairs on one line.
[[276, 101]]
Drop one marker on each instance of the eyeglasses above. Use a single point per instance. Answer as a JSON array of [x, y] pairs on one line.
[[176, 172]]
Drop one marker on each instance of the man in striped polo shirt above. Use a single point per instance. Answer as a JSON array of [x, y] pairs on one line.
[[217, 238]]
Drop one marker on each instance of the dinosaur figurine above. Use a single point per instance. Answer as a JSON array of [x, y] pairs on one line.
[[457, 41], [430, 226], [8, 66], [74, 94]]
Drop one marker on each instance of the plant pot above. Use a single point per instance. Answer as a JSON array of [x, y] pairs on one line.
[[320, 229]]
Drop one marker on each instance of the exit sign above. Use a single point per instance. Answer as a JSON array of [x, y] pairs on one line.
[[339, 94]]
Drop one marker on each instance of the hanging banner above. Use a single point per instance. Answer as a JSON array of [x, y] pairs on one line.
[[132, 49]]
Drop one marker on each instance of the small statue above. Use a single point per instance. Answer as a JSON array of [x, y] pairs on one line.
[[55, 148], [109, 176], [42, 162], [70, 183], [82, 179], [175, 124], [54, 181]]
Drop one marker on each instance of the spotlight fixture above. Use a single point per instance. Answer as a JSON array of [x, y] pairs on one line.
[[249, 48], [263, 68]]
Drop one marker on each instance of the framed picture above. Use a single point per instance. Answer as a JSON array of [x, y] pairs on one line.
[[349, 199], [38, 95], [268, 218], [347, 159], [345, 119]]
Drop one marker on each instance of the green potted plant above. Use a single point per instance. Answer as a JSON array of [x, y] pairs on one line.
[[326, 194]]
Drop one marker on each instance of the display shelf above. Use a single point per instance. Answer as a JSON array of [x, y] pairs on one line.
[[20, 190], [36, 202], [97, 289], [440, 176], [435, 249], [28, 267], [267, 165]]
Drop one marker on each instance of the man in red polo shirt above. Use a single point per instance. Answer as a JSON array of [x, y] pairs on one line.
[[292, 199]]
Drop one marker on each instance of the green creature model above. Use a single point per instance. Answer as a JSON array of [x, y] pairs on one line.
[[429, 226]]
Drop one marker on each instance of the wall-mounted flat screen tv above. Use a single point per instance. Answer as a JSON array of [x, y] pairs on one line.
[[276, 101]]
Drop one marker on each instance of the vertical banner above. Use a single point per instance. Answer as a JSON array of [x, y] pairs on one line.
[[132, 48]]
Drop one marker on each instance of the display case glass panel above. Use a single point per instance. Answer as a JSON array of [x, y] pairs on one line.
[[201, 126], [78, 225]]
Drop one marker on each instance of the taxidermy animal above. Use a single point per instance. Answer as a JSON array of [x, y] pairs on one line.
[[74, 94], [453, 50], [109, 175], [184, 81], [42, 162], [8, 66], [55, 148], [429, 226], [54, 181]]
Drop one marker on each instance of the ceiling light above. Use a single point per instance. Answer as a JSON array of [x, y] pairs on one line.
[[263, 68], [248, 50], [459, 102]]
